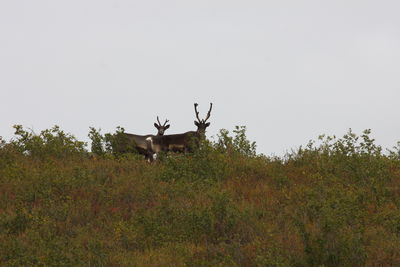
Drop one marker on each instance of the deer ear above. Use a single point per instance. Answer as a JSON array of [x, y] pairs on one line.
[[196, 123], [156, 125], [207, 124], [166, 127]]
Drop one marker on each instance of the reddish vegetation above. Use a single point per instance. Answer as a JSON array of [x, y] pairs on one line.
[[336, 204]]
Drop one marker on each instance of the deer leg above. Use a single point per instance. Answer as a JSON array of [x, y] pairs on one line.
[[150, 152]]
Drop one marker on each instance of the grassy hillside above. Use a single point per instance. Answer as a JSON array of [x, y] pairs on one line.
[[334, 202]]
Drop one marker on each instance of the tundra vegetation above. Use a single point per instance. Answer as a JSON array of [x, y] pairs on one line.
[[332, 202]]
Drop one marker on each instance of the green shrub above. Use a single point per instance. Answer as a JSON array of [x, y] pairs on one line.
[[205, 164], [237, 144], [112, 144], [49, 143], [97, 145]]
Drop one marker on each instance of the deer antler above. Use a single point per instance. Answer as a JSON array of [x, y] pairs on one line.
[[197, 113], [208, 113], [165, 123], [159, 123]]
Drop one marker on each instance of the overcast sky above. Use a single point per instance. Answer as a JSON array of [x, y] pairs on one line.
[[288, 70]]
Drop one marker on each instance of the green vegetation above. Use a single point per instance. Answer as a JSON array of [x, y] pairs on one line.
[[334, 202]]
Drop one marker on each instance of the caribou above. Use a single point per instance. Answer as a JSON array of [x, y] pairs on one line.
[[179, 142], [138, 142]]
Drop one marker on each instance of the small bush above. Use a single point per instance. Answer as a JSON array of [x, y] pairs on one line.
[[115, 144], [97, 145], [205, 164], [49, 143], [237, 144]]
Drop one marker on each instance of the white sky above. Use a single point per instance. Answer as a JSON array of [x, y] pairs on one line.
[[288, 70]]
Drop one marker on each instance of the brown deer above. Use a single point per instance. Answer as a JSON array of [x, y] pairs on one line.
[[138, 142], [179, 142]]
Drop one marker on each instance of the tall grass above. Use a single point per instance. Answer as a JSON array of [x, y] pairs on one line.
[[334, 202]]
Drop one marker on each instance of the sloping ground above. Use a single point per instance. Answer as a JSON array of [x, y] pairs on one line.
[[203, 209], [336, 204]]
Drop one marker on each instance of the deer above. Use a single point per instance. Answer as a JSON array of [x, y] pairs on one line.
[[138, 142], [183, 142]]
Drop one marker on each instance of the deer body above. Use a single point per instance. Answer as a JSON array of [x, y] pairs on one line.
[[135, 141], [138, 142], [173, 142]]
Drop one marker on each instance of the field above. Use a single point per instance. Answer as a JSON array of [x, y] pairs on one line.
[[333, 202]]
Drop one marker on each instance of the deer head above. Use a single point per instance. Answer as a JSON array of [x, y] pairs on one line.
[[202, 124], [161, 127]]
